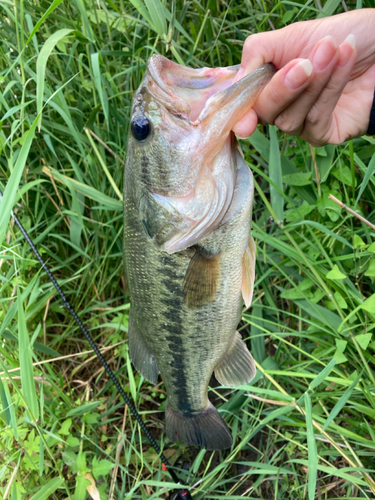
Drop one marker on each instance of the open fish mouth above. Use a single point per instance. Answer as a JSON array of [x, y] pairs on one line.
[[188, 89], [193, 112]]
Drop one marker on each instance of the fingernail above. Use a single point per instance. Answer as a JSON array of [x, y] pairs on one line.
[[324, 53], [346, 51], [350, 39], [241, 136], [299, 74]]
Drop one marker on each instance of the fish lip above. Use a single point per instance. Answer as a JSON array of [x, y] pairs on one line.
[[153, 68], [158, 62], [164, 76]]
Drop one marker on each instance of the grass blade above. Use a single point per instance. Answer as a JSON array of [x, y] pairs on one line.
[[369, 172], [324, 163], [106, 201], [341, 403], [9, 195], [5, 403], [41, 67], [9, 403], [13, 110], [258, 347], [50, 9], [321, 228], [104, 166], [311, 446], [156, 11], [98, 81], [322, 375], [277, 200], [48, 489], [329, 8], [26, 364], [138, 4]]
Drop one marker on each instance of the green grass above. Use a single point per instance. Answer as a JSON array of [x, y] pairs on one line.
[[77, 64]]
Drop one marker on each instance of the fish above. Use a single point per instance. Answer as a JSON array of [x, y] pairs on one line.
[[189, 255]]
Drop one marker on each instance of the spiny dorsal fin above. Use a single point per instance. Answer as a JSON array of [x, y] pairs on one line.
[[237, 367], [202, 279], [248, 272]]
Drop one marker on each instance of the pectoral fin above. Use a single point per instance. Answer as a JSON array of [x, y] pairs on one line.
[[140, 354], [202, 279], [248, 272], [237, 367]]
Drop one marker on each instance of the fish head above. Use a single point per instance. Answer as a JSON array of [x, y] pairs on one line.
[[163, 134], [179, 147]]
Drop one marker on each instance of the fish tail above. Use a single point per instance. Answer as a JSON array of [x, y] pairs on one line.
[[205, 428]]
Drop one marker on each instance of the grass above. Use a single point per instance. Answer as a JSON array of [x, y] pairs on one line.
[[304, 428]]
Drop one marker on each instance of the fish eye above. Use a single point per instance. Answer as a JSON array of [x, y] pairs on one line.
[[141, 128]]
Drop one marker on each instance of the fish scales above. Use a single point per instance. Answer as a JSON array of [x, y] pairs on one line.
[[188, 255]]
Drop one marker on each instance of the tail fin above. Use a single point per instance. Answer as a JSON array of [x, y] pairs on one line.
[[204, 428]]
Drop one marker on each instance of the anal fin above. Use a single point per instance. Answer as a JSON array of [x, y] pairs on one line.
[[202, 279], [248, 272], [140, 354], [237, 367]]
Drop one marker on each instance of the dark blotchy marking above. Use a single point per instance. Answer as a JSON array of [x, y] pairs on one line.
[[162, 167], [173, 302], [178, 369], [145, 169], [172, 297], [173, 328], [171, 314], [168, 271], [171, 284], [168, 260]]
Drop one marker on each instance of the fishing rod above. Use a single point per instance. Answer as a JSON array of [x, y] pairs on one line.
[[182, 493]]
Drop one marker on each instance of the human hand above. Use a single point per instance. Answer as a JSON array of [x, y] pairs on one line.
[[324, 86]]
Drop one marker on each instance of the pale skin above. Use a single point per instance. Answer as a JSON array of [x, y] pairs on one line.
[[324, 85]]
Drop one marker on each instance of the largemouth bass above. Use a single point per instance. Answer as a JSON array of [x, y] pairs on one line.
[[188, 252]]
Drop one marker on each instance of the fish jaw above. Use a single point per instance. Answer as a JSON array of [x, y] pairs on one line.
[[192, 114], [187, 89], [222, 110], [225, 108]]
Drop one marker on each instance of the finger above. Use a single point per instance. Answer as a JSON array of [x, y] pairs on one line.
[[261, 48], [323, 58], [284, 88], [247, 125], [319, 121], [278, 47]]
